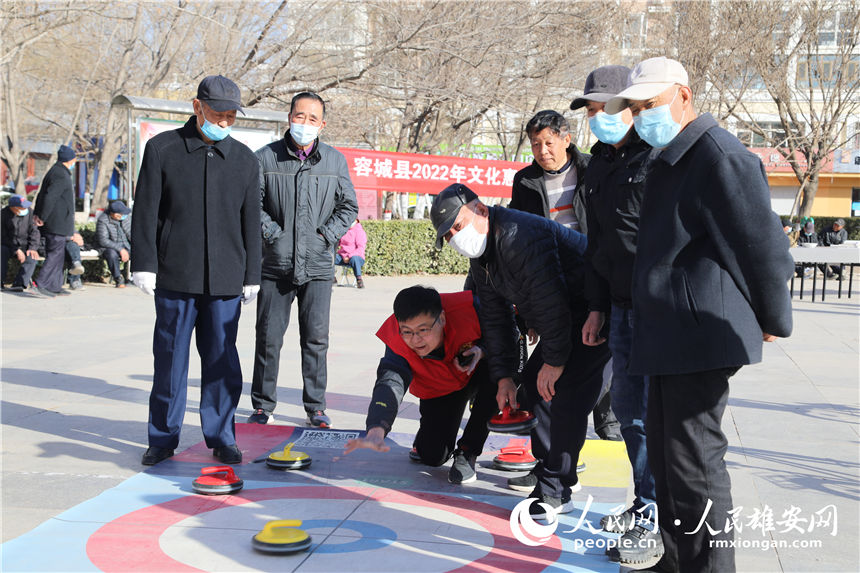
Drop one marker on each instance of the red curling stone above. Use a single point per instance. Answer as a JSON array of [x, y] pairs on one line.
[[510, 421], [217, 480], [514, 459]]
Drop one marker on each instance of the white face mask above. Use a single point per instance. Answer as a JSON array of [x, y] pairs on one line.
[[304, 133], [469, 242]]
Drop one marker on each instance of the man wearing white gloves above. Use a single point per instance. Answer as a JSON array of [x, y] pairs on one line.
[[197, 248]]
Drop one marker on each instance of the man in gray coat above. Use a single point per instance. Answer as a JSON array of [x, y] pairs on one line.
[[708, 287], [308, 204]]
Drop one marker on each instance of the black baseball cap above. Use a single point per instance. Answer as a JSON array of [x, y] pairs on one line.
[[220, 93], [602, 85], [445, 208]]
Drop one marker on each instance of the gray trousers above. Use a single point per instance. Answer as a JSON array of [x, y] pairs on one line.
[[273, 317]]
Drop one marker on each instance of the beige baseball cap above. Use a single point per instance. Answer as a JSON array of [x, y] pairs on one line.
[[648, 79]]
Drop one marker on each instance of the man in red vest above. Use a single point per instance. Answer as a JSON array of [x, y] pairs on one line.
[[432, 349]]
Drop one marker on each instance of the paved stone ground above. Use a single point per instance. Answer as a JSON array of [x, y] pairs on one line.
[[76, 373]]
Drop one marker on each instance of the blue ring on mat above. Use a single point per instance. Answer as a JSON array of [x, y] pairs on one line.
[[375, 536]]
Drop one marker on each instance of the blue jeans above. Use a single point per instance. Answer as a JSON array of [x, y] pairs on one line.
[[355, 262], [630, 403]]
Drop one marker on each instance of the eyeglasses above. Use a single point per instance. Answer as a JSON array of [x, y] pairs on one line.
[[422, 333]]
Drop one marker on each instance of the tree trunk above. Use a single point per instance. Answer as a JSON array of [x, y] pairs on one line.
[[809, 195]]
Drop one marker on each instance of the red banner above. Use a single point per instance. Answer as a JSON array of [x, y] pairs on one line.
[[416, 173]]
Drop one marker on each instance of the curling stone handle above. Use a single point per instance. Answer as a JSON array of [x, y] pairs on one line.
[[280, 523], [506, 411], [513, 450], [211, 470]]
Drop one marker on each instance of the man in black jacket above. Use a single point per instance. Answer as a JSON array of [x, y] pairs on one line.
[[308, 204], [196, 240], [553, 187], [20, 240], [708, 287], [55, 216], [113, 239], [614, 184], [524, 260]]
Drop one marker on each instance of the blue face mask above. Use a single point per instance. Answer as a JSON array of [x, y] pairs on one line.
[[23, 212], [123, 217], [213, 131], [609, 129], [656, 125]]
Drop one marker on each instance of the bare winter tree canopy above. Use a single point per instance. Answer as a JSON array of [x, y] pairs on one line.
[[459, 77]]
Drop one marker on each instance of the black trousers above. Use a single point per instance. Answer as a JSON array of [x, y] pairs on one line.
[[563, 421], [441, 418], [273, 317], [686, 452], [114, 262]]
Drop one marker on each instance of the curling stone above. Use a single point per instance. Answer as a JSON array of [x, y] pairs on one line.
[[510, 421], [288, 460], [515, 459], [217, 480], [281, 536]]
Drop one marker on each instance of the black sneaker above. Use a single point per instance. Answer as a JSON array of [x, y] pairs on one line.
[[638, 545], [523, 483], [463, 469], [318, 419], [119, 281], [415, 456], [557, 506], [15, 288], [620, 523], [258, 417], [359, 282]]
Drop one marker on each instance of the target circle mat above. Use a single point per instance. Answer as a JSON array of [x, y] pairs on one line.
[[352, 528]]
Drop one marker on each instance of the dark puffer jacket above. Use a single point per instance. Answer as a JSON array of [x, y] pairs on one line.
[[307, 206], [113, 234], [529, 190], [537, 265]]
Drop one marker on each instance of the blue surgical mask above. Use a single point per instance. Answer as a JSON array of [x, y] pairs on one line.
[[609, 129], [123, 217], [656, 125], [304, 133], [23, 212], [213, 131]]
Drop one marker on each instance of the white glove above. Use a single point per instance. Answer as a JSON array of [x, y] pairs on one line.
[[249, 293], [144, 281]]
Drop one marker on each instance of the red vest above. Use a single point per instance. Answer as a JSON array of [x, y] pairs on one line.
[[432, 378]]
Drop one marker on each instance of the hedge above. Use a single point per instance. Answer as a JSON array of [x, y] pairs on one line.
[[406, 247], [398, 247]]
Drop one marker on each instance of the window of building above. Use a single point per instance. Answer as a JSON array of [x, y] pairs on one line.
[[775, 134]]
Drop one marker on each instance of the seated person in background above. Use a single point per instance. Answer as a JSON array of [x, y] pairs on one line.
[[836, 235], [350, 251], [73, 261], [791, 231], [113, 239], [20, 239], [432, 348], [806, 235]]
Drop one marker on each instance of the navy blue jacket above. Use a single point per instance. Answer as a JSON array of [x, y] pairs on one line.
[[712, 259], [196, 216]]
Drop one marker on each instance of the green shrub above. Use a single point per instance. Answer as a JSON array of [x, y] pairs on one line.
[[406, 248]]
